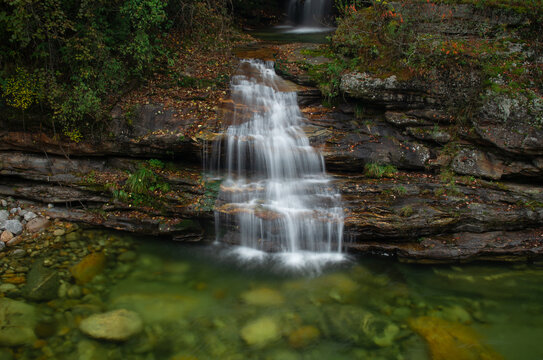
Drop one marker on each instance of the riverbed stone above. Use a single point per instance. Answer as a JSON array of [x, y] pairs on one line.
[[6, 236], [261, 332], [17, 321], [42, 283], [29, 215], [4, 215], [90, 266], [448, 340], [16, 240], [263, 297], [303, 336], [117, 325], [7, 288], [37, 224], [14, 226], [59, 232], [2, 245], [128, 256]]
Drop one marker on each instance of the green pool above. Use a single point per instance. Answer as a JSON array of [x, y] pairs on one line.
[[202, 302]]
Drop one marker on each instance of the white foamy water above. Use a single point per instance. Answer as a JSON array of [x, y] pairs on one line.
[[276, 195], [309, 13]]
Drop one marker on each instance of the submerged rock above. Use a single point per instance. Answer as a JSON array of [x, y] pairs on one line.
[[117, 325], [261, 332], [448, 340], [263, 297], [90, 266], [303, 336], [17, 321], [42, 283]]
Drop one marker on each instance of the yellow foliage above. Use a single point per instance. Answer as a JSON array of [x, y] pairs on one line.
[[20, 90]]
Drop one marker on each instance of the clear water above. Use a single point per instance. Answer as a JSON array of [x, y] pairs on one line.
[[276, 195], [197, 304]]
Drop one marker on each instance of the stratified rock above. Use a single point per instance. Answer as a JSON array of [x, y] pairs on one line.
[[263, 297], [17, 321], [448, 340], [488, 165], [512, 122], [90, 266], [14, 226], [389, 92], [261, 332], [42, 283], [37, 224], [6, 236], [117, 325]]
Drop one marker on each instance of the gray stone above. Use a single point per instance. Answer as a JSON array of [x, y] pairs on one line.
[[22, 212], [42, 283], [37, 224], [14, 211], [14, 226], [3, 203], [2, 245], [18, 320], [117, 325], [4, 215], [30, 215]]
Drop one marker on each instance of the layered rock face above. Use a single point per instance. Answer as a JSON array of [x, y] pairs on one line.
[[467, 185]]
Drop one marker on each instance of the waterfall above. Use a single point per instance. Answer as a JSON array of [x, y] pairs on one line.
[[309, 13], [275, 195]]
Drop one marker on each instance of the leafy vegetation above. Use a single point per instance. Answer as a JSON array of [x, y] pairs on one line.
[[70, 60], [375, 170], [142, 185], [415, 38]]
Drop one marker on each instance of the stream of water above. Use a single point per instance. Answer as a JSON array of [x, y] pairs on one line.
[[276, 195]]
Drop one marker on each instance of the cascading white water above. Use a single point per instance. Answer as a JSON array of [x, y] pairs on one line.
[[276, 195], [308, 12]]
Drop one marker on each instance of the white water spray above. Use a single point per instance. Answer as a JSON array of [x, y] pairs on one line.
[[276, 195]]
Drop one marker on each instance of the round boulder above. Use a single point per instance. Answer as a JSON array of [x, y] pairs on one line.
[[117, 325]]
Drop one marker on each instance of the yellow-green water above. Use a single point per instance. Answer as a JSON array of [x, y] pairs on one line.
[[197, 303]]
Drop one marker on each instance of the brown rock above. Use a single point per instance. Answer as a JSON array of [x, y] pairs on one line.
[[6, 236], [303, 336], [37, 224], [448, 340], [90, 266], [15, 241]]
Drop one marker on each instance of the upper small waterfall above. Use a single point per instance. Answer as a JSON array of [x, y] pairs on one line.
[[275, 195], [309, 13]]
